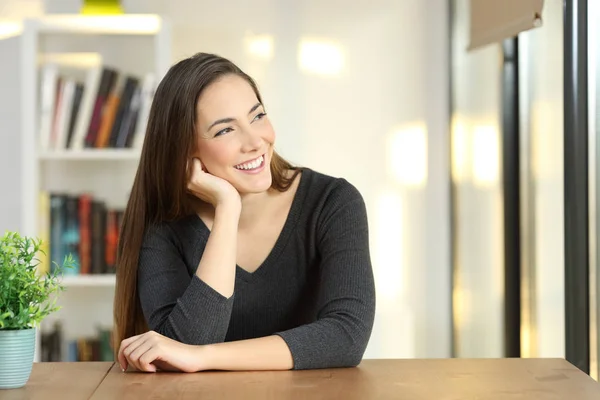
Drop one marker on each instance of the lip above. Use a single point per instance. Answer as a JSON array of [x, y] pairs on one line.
[[256, 170]]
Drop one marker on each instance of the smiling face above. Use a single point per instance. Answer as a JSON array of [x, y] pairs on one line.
[[235, 137]]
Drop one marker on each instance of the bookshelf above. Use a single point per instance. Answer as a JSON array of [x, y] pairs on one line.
[[131, 45]]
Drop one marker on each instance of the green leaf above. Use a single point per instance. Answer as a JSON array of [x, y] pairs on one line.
[[21, 289]]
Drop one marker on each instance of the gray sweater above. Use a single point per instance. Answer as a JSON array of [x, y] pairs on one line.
[[315, 289]]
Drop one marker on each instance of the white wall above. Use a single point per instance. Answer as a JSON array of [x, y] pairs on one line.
[[541, 69], [479, 270], [381, 123], [10, 186]]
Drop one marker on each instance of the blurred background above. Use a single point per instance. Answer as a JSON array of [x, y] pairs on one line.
[[469, 128]]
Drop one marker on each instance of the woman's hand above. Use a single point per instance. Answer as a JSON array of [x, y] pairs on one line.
[[152, 351], [210, 188]]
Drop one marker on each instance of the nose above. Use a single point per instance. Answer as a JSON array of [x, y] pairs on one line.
[[251, 140]]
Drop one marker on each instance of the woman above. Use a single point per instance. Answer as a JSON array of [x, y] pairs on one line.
[[230, 256]]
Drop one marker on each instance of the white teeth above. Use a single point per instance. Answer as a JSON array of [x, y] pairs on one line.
[[251, 165]]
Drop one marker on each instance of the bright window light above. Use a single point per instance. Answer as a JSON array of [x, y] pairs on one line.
[[407, 155], [460, 151], [260, 46], [320, 57], [9, 29], [486, 157], [388, 246]]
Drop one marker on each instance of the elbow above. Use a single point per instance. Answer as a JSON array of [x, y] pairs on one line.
[[350, 362], [353, 341], [354, 361], [348, 354], [353, 356], [358, 341], [356, 347]]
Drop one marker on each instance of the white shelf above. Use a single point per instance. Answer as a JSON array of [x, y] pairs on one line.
[[135, 44], [127, 24], [90, 155], [89, 280]]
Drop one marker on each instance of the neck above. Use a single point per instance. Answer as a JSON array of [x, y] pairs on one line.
[[253, 205]]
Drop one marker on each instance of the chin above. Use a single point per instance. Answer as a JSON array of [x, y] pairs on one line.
[[259, 186]]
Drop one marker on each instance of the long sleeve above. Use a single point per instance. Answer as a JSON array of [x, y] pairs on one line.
[[346, 293], [176, 303]]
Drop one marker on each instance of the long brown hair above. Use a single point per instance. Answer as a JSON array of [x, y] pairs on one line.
[[159, 191]]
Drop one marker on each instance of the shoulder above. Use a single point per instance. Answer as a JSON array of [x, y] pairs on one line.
[[330, 191], [330, 198], [336, 210]]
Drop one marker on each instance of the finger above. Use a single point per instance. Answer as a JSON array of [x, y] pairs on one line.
[[195, 171], [196, 164], [121, 356], [191, 166], [148, 358], [125, 344], [128, 351], [135, 355], [199, 165]]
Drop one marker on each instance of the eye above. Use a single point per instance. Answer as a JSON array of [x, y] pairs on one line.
[[223, 131], [259, 116]]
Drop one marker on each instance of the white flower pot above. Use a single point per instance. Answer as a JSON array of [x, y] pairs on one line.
[[17, 348]]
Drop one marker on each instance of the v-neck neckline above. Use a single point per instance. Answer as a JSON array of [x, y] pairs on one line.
[[282, 239]]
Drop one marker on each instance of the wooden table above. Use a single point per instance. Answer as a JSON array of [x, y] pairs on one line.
[[444, 379]]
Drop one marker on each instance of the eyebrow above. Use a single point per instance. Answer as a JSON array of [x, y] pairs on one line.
[[228, 120]]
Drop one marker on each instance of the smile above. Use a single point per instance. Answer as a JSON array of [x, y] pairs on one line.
[[253, 165]]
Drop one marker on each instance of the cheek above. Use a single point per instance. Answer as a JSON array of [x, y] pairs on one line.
[[214, 155]]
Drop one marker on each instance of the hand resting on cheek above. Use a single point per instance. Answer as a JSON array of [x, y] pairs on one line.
[[210, 188]]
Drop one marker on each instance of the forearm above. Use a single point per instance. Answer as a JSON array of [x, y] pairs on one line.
[[188, 309], [201, 316], [217, 265], [266, 353]]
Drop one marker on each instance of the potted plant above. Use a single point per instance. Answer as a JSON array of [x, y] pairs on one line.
[[25, 300]]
